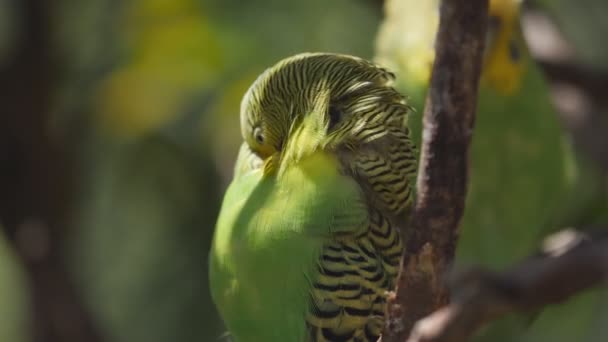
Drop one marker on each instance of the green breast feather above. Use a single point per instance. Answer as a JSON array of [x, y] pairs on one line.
[[268, 240]]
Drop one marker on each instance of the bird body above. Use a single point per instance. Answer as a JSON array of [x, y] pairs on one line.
[[270, 240], [306, 243]]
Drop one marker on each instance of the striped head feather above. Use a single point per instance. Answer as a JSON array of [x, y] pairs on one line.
[[336, 103]]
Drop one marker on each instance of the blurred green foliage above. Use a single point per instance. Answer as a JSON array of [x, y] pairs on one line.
[[149, 91], [145, 230], [13, 301]]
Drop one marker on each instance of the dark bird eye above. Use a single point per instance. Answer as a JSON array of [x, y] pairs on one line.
[[494, 22], [514, 52], [258, 135], [334, 116]]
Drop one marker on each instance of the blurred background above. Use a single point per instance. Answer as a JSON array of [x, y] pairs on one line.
[[119, 126]]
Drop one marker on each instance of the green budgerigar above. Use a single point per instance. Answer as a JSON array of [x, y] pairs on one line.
[[306, 244]]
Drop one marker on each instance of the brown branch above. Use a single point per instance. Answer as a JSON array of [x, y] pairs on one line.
[[442, 178], [35, 180], [482, 296], [592, 81]]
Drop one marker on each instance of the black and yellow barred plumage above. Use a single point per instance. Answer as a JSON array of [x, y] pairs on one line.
[[361, 120]]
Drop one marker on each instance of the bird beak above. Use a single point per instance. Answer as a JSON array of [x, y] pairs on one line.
[[271, 165]]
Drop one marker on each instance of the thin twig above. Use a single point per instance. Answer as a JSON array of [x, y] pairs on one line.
[[481, 296], [442, 179]]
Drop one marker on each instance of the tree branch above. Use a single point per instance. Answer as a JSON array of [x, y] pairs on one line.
[[591, 80], [480, 296], [442, 178]]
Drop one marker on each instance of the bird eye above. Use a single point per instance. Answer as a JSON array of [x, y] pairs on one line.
[[514, 52], [334, 116], [258, 135], [494, 22]]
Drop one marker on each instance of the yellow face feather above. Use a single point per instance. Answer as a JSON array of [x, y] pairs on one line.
[[506, 50]]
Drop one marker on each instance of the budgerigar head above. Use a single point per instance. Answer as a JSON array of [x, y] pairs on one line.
[[318, 101], [505, 47], [312, 102]]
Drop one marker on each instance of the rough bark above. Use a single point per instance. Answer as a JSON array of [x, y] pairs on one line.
[[449, 118]]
